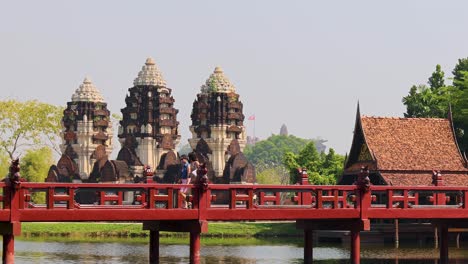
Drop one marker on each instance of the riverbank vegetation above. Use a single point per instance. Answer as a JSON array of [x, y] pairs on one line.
[[216, 230]]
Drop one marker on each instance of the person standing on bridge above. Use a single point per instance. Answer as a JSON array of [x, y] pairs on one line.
[[194, 164], [185, 177]]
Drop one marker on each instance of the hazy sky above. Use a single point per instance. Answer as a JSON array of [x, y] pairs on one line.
[[302, 63]]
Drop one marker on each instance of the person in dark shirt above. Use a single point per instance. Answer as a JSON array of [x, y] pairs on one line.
[[185, 178]]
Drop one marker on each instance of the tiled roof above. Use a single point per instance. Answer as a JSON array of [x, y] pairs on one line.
[[423, 179], [412, 144]]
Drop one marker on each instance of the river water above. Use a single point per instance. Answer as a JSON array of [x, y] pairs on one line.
[[122, 252]]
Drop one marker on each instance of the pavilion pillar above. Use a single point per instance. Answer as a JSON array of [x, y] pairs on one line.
[[154, 247], [194, 247], [355, 247], [444, 254], [308, 246]]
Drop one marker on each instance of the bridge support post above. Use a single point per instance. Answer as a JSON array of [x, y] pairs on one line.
[[154, 247], [308, 246], [355, 247], [8, 256], [444, 254], [194, 227], [194, 247], [9, 231]]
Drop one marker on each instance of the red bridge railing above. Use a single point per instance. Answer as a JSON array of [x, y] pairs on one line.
[[138, 202]]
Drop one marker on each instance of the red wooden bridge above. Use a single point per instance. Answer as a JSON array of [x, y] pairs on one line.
[[159, 207]]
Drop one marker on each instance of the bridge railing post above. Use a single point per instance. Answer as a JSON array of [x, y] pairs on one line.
[[364, 195], [305, 197], [437, 180], [12, 193], [200, 202]]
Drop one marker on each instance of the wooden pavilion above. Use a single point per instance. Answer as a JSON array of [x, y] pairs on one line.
[[405, 151]]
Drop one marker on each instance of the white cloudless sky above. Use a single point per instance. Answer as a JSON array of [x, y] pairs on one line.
[[301, 63]]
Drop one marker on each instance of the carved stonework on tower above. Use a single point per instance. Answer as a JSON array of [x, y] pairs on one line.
[[238, 169], [217, 118], [86, 125], [149, 118], [66, 169], [169, 168]]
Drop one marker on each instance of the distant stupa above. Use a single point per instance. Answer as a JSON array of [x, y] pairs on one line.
[[284, 130]]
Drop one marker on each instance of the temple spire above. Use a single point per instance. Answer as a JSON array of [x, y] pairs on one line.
[[87, 92], [150, 75], [217, 118], [218, 82]]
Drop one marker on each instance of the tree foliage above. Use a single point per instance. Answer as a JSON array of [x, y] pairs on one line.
[[459, 77], [34, 168], [4, 164], [270, 152], [432, 101], [273, 175], [269, 156], [322, 168], [436, 80], [26, 124], [35, 164], [422, 101], [460, 113]]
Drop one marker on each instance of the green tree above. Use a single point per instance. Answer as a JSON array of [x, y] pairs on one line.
[[4, 164], [267, 157], [322, 168], [432, 101], [35, 164], [333, 165], [26, 124], [424, 102], [458, 74], [34, 168], [273, 175], [270, 152], [436, 80], [460, 111]]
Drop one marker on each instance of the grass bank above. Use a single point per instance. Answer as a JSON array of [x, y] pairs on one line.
[[217, 231]]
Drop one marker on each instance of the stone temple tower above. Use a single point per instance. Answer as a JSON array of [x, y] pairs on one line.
[[217, 119], [86, 125], [149, 128]]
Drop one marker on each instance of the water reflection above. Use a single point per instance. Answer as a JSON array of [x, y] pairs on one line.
[[122, 252]]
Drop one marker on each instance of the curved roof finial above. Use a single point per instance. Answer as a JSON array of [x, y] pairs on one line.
[[358, 111], [450, 114]]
